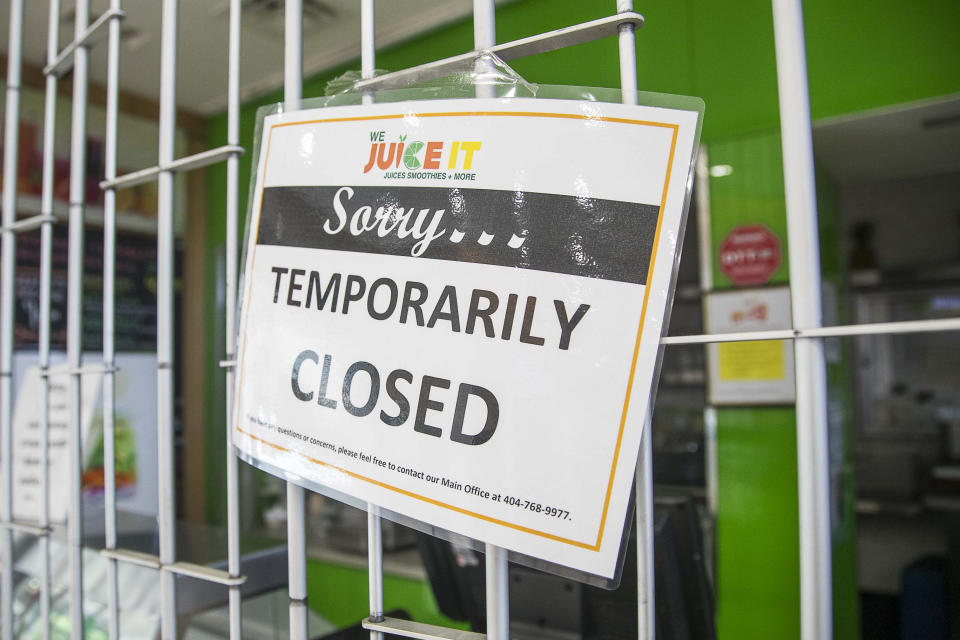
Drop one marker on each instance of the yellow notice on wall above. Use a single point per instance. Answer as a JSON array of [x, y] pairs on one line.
[[759, 360]]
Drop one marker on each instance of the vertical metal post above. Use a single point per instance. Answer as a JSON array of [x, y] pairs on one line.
[[109, 353], [233, 138], [7, 296], [375, 566], [816, 582], [497, 567], [484, 24], [165, 240], [368, 47], [78, 170], [646, 592], [705, 249], [702, 182], [293, 54], [710, 459], [484, 36], [296, 511], [297, 561], [646, 627], [374, 524], [498, 593], [43, 337]]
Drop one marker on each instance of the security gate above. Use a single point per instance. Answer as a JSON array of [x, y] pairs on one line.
[[807, 333], [74, 57]]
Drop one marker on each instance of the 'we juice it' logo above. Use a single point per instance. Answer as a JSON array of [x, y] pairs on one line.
[[413, 155]]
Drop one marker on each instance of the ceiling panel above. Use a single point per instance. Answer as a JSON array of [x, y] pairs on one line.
[[331, 37], [902, 141]]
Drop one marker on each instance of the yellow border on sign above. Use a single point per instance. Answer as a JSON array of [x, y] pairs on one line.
[[636, 347]]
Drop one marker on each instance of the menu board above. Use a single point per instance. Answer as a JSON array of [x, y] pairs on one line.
[[136, 298]]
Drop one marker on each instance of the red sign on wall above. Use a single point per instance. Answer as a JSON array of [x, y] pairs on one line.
[[750, 254]]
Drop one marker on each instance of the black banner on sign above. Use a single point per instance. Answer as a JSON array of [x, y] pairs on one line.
[[571, 235]]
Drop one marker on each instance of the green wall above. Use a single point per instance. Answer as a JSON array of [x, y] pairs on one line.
[[757, 568], [860, 56], [753, 193], [757, 519]]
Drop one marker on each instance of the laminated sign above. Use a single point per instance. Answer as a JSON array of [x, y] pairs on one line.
[[452, 309]]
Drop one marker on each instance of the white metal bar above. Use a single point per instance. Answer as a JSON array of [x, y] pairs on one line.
[[876, 328], [702, 182], [498, 592], [374, 524], [646, 592], [188, 163], [165, 355], [78, 170], [189, 569], [497, 566], [569, 36], [137, 558], [90, 369], [293, 53], [233, 140], [743, 336], [484, 25], [368, 49], [866, 329], [296, 512], [26, 527], [409, 629], [711, 458], [513, 50], [375, 566], [626, 42], [816, 581], [28, 224], [484, 37], [7, 297], [200, 572], [43, 331], [109, 349], [63, 62], [643, 482], [297, 561]]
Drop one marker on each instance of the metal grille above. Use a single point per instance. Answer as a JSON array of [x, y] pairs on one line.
[[807, 333], [74, 57]]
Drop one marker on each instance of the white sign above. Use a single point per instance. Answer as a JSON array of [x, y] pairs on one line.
[[27, 453], [134, 440], [452, 309], [758, 371]]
